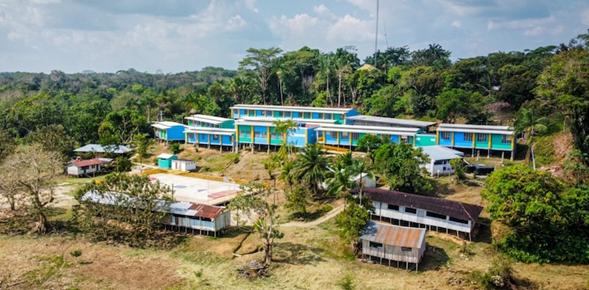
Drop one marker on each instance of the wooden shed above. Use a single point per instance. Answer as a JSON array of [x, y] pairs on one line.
[[388, 243]]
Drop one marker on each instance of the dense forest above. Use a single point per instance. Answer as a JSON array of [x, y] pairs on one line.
[[539, 91]]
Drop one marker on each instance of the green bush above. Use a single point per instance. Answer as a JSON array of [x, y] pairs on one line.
[[76, 253]]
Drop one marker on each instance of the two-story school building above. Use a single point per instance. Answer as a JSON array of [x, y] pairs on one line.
[[474, 138], [168, 131], [302, 114], [348, 135], [412, 210], [262, 133], [204, 130]]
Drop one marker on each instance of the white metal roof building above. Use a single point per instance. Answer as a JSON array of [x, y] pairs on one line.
[[389, 122]]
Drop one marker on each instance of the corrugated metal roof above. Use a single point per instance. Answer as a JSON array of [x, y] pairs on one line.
[[395, 121], [293, 108], [437, 152], [88, 162], [177, 208], [447, 207], [166, 125], [475, 131], [472, 126], [391, 235], [208, 119], [118, 149], [296, 120]]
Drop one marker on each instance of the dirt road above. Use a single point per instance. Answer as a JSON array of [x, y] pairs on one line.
[[318, 221]]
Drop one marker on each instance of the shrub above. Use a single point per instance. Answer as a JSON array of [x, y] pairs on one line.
[[76, 253]]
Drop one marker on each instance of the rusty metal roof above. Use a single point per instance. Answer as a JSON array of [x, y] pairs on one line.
[[447, 207], [87, 162], [391, 235], [206, 211]]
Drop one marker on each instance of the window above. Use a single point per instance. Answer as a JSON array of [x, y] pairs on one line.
[[281, 137], [355, 136], [446, 135], [307, 115], [273, 135], [280, 114], [506, 139], [435, 215], [458, 220], [287, 114], [406, 249], [404, 139], [482, 138], [265, 135], [333, 135], [242, 134], [345, 135], [328, 116], [468, 137], [410, 210], [393, 207], [320, 116], [215, 137], [268, 113], [257, 134], [251, 113], [235, 111], [375, 245]]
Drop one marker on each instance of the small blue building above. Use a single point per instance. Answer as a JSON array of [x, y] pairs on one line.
[[168, 131], [477, 137], [164, 160]]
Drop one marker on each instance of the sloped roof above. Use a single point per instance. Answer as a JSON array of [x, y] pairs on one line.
[[293, 108], [166, 125], [391, 235], [117, 149], [177, 208], [165, 156], [207, 119], [438, 152], [88, 162], [393, 121], [447, 207]]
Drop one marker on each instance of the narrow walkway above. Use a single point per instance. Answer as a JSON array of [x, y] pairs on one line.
[[316, 222]]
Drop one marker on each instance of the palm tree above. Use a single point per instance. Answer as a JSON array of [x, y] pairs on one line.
[[360, 167], [339, 180], [286, 128], [287, 174], [529, 125], [311, 166]]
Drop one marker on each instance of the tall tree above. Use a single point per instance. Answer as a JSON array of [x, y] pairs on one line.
[[259, 64], [33, 170], [529, 124], [261, 213], [400, 165]]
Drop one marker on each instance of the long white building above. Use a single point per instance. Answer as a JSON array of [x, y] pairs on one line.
[[412, 210]]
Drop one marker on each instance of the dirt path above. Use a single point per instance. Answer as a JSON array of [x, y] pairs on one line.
[[316, 222]]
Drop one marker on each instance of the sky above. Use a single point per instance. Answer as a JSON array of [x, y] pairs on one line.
[[172, 36]]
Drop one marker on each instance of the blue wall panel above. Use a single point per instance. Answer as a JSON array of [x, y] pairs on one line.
[[460, 142], [176, 133]]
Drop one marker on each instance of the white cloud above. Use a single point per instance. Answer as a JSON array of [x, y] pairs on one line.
[[298, 25], [250, 4], [322, 10], [350, 28], [456, 23]]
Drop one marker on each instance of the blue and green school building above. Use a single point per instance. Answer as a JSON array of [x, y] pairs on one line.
[[254, 127]]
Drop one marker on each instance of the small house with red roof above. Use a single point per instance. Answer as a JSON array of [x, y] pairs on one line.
[[86, 167]]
